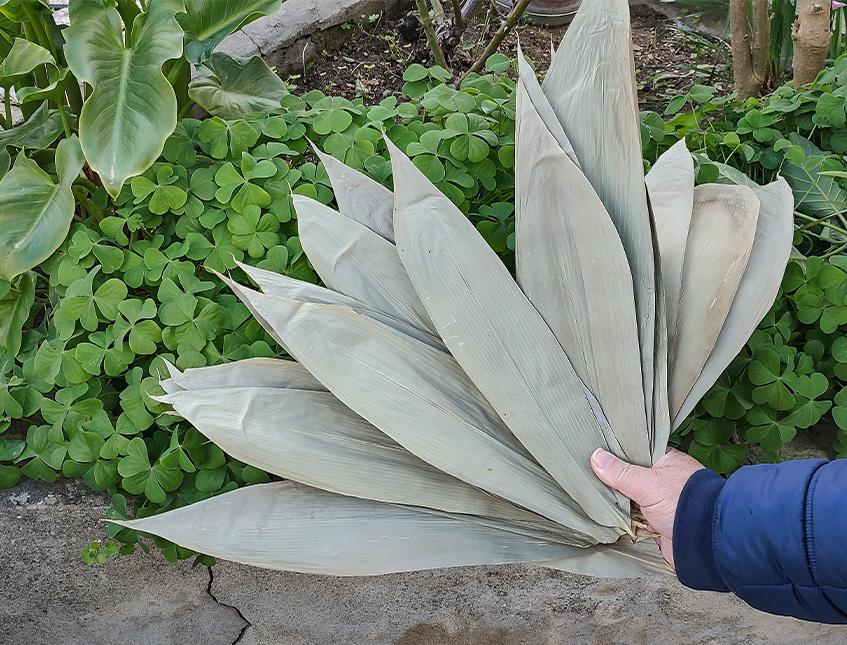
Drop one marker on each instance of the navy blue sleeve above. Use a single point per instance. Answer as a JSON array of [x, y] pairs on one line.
[[773, 534]]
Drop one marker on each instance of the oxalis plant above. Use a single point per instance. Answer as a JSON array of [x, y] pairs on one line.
[[109, 88], [440, 413]]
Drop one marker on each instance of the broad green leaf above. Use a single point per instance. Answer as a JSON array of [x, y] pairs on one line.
[[41, 129], [57, 80], [584, 296], [132, 108], [15, 306], [815, 193], [23, 58], [208, 22], [233, 87], [500, 340], [35, 212]]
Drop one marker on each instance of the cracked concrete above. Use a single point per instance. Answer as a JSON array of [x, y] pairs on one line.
[[48, 595]]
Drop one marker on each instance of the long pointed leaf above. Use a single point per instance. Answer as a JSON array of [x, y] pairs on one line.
[[419, 397], [573, 269], [591, 86], [291, 527], [276, 284], [352, 259], [312, 438], [250, 372], [670, 184], [723, 226], [359, 197], [622, 560], [542, 106], [498, 338], [757, 290]]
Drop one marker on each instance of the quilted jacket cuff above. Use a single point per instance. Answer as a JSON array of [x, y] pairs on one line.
[[693, 545]]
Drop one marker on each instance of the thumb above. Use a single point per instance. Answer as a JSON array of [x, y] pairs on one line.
[[633, 481]]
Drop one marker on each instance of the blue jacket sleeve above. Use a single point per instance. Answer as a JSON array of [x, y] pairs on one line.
[[774, 534]]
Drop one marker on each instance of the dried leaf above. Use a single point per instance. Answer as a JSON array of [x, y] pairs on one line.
[[498, 338], [359, 197], [758, 288], [351, 259], [291, 527], [723, 225], [573, 269]]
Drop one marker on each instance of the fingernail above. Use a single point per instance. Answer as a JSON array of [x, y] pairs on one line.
[[602, 458]]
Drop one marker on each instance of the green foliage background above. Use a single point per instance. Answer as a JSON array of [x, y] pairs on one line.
[[83, 335]]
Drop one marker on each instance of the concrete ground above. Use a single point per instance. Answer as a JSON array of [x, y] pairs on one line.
[[49, 596]]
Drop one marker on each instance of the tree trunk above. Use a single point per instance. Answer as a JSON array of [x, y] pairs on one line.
[[810, 33], [750, 34]]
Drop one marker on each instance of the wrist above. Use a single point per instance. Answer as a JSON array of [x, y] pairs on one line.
[[693, 546]]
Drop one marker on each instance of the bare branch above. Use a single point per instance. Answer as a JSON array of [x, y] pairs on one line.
[[507, 25]]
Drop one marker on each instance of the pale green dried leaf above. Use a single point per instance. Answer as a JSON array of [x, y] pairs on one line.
[[573, 269], [250, 372], [359, 197], [591, 86], [723, 226], [276, 284], [499, 339], [670, 184], [352, 259], [758, 288], [421, 398], [291, 527], [542, 106], [312, 438], [624, 559]]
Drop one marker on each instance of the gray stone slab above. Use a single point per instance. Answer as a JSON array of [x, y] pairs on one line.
[[49, 596], [296, 20], [510, 605]]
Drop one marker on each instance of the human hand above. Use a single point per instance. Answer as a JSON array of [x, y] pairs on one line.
[[656, 490]]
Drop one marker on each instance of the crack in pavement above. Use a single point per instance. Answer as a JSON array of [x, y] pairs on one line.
[[211, 594]]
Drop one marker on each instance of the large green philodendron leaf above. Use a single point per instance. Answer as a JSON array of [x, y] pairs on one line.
[[24, 57], [233, 87], [208, 22], [132, 110], [38, 131], [35, 212]]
